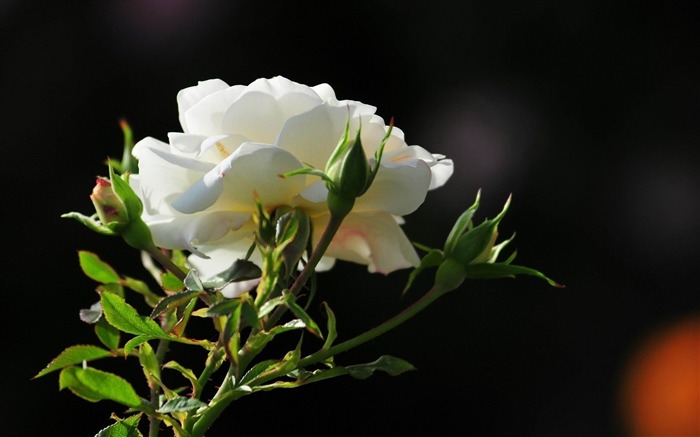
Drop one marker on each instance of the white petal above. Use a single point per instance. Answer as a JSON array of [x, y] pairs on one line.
[[189, 97], [441, 171], [188, 232], [163, 176], [313, 135], [233, 184], [399, 188], [325, 92], [185, 143], [205, 117], [374, 239], [255, 115]]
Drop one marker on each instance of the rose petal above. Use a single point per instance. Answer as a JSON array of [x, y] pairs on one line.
[[205, 117], [189, 97], [398, 188], [233, 184], [188, 232], [163, 175], [374, 239], [313, 135]]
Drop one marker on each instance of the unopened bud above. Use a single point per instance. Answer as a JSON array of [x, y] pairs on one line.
[[109, 207]]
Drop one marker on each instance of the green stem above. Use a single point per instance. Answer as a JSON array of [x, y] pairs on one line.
[[166, 262], [386, 326], [223, 397], [226, 395], [333, 225]]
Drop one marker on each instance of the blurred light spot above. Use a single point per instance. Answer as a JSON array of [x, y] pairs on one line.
[[490, 132], [661, 389], [171, 25]]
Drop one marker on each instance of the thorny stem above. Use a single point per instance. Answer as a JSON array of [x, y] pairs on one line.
[[154, 422], [333, 225], [431, 296], [226, 395], [166, 262]]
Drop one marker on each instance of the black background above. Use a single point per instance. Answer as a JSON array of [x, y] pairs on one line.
[[587, 112]]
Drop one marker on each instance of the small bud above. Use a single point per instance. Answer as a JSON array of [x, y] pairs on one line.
[[348, 169], [109, 207], [475, 246]]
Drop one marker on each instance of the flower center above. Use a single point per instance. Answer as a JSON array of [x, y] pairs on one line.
[[222, 149]]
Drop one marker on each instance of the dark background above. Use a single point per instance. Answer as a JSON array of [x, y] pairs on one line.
[[588, 112]]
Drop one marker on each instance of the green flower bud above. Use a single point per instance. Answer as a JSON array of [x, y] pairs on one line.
[[450, 275], [136, 233], [109, 207], [477, 244], [348, 169]]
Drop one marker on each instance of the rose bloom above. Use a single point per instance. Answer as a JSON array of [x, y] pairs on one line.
[[199, 189]]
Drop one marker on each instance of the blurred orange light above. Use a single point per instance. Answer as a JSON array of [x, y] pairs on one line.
[[661, 392]]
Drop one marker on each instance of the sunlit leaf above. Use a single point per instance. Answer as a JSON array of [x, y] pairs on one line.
[[124, 317], [170, 282], [97, 269], [74, 355], [96, 385], [135, 342], [181, 404], [122, 428]]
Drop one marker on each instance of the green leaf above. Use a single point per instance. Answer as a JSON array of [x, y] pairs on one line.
[[181, 404], [501, 270], [293, 229], [149, 363], [122, 428], [74, 355], [90, 222], [332, 333], [173, 301], [135, 342], [249, 313], [241, 270], [223, 308], [95, 385], [170, 282], [114, 287], [193, 282], [108, 334], [124, 317], [298, 311], [258, 341], [386, 363], [185, 372], [255, 371], [323, 374], [97, 269]]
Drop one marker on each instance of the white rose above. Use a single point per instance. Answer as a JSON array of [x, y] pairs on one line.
[[198, 189]]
